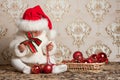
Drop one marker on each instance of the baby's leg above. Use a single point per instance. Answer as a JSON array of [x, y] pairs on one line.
[[59, 68], [20, 66]]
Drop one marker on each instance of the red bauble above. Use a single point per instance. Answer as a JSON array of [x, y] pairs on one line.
[[90, 60], [102, 60], [80, 59], [48, 68], [93, 58], [101, 57], [41, 66], [35, 69], [77, 54]]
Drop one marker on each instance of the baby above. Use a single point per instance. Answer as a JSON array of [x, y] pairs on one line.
[[33, 41]]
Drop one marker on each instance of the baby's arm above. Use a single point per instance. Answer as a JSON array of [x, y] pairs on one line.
[[19, 49], [50, 47]]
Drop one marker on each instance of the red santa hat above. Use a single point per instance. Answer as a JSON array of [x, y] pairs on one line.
[[35, 19]]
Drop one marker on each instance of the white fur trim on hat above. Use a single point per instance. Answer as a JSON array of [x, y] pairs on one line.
[[52, 34], [28, 25]]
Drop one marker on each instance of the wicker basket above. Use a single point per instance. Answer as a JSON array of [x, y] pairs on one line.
[[85, 67]]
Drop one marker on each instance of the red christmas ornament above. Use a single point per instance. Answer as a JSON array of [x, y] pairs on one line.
[[90, 60], [93, 58], [41, 66], [35, 69], [101, 57], [80, 59], [47, 68], [77, 54]]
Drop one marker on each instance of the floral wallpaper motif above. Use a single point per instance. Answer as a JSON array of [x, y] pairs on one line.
[[57, 8], [98, 8], [6, 55], [78, 30], [114, 31], [98, 47], [72, 20], [3, 31], [14, 7], [63, 53]]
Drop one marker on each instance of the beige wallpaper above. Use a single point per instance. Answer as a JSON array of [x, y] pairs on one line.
[[86, 25]]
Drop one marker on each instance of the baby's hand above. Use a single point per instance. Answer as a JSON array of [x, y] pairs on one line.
[[49, 46], [21, 47]]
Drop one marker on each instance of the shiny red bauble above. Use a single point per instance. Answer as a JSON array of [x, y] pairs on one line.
[[101, 57], [41, 66], [77, 54], [48, 68], [35, 69], [93, 58], [80, 59], [90, 60]]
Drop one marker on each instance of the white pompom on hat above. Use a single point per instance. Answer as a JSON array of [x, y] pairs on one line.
[[35, 19]]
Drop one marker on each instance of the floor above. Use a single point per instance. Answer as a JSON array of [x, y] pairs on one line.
[[111, 71]]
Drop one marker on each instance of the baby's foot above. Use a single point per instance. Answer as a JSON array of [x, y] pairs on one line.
[[59, 68], [27, 70]]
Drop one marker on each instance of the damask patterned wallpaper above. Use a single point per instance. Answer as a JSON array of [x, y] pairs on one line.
[[86, 25]]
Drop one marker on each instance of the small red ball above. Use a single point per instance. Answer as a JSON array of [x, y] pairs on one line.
[[41, 66], [101, 57], [35, 69], [90, 60], [93, 57], [48, 68], [77, 54], [80, 59]]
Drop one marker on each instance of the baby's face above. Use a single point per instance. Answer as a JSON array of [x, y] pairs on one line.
[[36, 33]]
